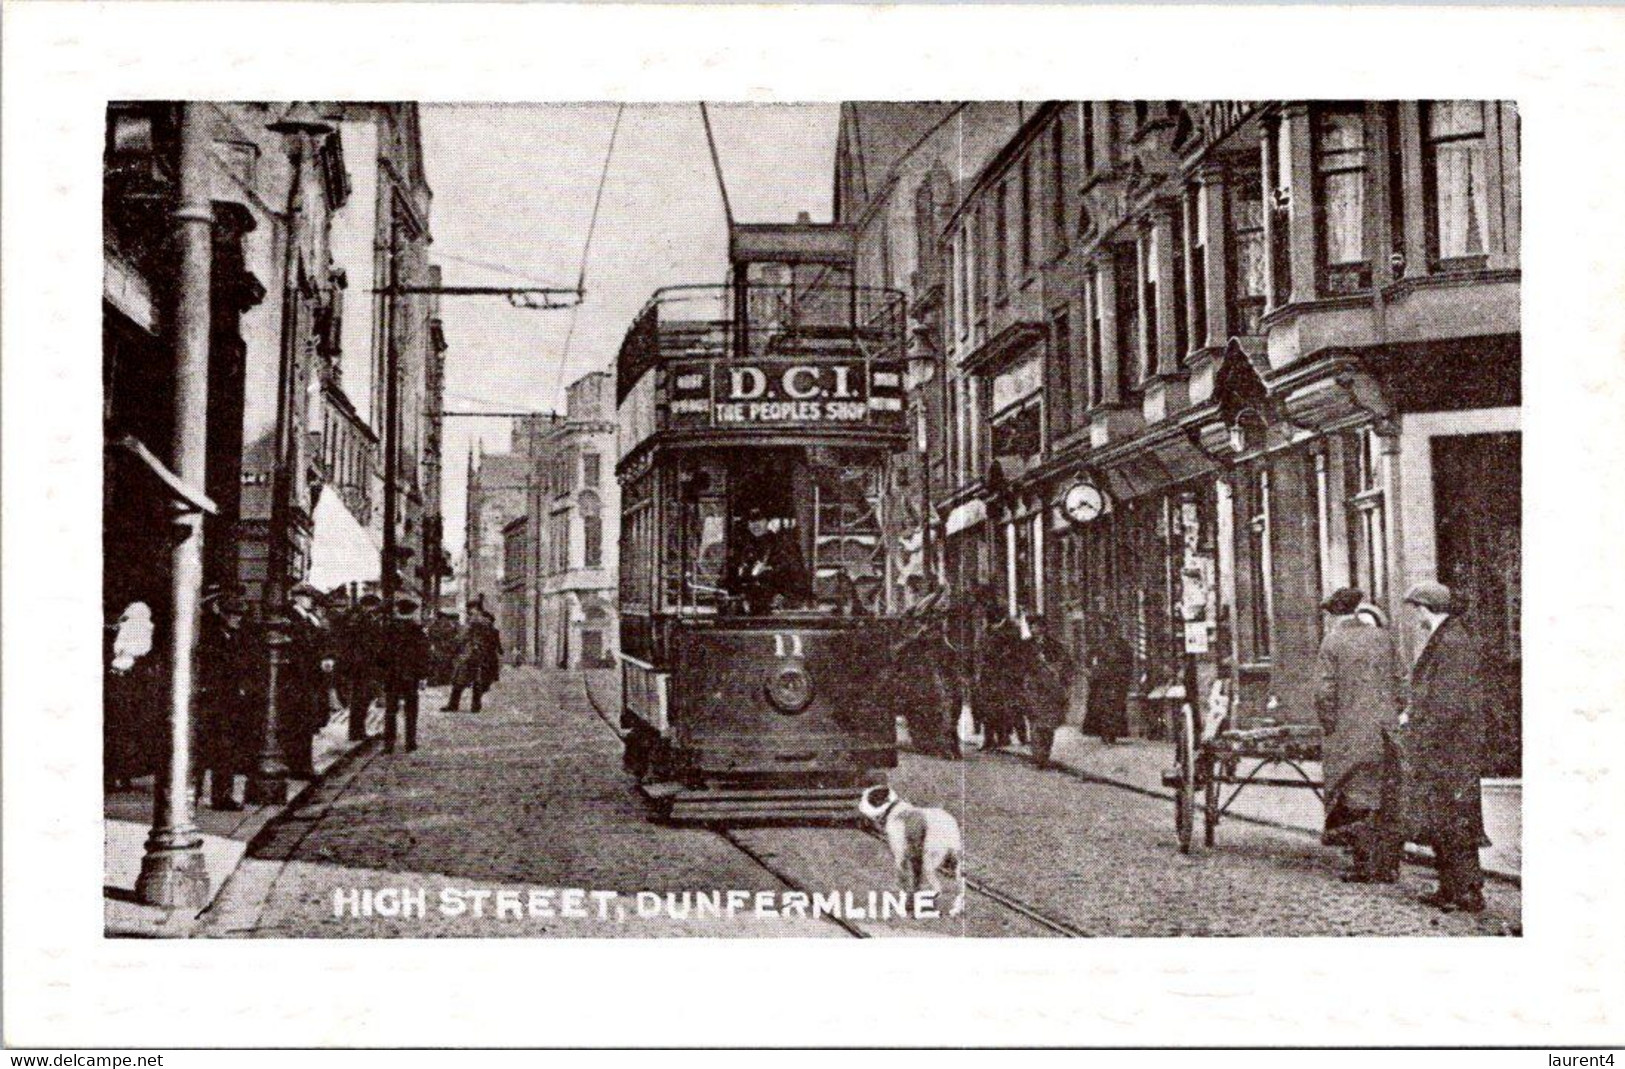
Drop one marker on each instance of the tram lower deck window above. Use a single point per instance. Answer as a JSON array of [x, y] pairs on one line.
[[760, 532]]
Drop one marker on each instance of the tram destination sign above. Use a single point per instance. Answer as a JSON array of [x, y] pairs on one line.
[[784, 392]]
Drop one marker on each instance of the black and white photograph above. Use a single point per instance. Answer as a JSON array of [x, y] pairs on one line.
[[660, 513], [972, 518]]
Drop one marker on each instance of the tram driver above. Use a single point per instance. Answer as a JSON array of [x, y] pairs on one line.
[[767, 571]]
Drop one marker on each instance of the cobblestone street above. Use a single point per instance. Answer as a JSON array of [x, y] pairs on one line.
[[530, 794]]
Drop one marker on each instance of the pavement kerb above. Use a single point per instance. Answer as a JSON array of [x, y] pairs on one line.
[[338, 765], [1413, 853]]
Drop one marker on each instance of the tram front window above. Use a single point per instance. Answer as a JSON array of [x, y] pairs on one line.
[[777, 531]]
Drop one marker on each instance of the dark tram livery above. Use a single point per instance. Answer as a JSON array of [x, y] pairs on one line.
[[757, 419]]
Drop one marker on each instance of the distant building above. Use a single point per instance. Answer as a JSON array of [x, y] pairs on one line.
[[514, 617], [497, 488], [575, 517]]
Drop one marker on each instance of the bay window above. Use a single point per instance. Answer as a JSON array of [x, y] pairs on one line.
[[1454, 181], [1340, 169], [1249, 273]]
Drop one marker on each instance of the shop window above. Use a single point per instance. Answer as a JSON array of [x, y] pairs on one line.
[[1368, 545], [1454, 182], [1248, 272], [1340, 168]]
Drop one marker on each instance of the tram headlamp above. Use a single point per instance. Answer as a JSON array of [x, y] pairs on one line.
[[789, 687]]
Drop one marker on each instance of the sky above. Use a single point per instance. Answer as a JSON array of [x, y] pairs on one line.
[[513, 193]]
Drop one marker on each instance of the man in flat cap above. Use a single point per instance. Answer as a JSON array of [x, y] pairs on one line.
[[1445, 746], [1357, 700]]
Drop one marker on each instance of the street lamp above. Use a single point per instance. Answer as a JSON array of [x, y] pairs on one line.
[[268, 783], [923, 359]]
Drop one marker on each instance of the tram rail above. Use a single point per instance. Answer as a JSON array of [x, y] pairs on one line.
[[1004, 899]]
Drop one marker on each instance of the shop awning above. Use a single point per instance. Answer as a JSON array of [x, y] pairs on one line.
[[966, 514], [341, 550]]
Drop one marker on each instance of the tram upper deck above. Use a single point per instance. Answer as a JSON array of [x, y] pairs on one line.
[[789, 348]]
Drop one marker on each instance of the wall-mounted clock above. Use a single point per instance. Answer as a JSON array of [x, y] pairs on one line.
[[1083, 502]]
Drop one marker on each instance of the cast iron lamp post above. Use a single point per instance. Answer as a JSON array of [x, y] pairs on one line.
[[268, 784]]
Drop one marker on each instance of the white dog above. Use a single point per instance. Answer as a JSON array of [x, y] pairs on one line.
[[925, 843]]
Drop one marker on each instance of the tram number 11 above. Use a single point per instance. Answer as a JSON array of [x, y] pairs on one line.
[[787, 646]]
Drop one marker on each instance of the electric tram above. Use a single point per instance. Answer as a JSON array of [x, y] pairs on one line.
[[757, 419]]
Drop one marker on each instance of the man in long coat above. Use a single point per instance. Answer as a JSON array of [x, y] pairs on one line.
[[1444, 744], [997, 690], [405, 663], [922, 685], [479, 661], [1111, 671], [1357, 700], [1049, 689]]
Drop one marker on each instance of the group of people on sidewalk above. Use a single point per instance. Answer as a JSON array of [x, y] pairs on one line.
[[1402, 751], [361, 653], [1402, 756], [1018, 681]]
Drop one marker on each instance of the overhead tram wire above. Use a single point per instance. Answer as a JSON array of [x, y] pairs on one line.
[[586, 248]]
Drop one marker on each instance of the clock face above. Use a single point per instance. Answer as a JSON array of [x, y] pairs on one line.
[[1084, 502]]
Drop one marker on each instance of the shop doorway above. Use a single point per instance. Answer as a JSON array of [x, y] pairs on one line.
[[1478, 504]]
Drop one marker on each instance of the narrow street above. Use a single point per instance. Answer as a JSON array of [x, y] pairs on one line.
[[529, 795]]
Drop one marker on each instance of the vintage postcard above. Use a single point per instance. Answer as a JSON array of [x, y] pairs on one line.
[[1047, 514]]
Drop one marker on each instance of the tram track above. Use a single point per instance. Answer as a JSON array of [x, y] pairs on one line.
[[724, 834], [1004, 899]]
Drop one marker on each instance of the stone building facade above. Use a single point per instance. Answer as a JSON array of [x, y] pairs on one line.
[[1265, 348], [575, 510]]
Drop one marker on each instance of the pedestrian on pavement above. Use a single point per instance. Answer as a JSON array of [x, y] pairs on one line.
[[923, 686], [305, 687], [1049, 688], [231, 668], [406, 661], [130, 697], [1111, 670], [998, 691], [1357, 700], [1443, 742], [358, 645], [443, 633], [479, 660]]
